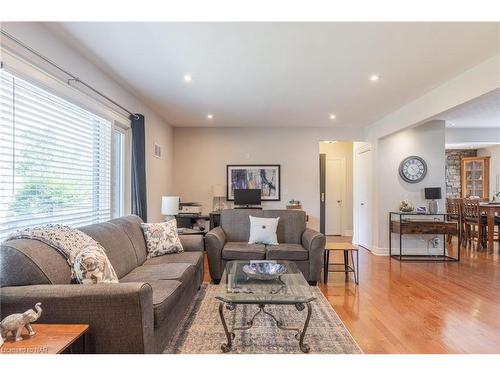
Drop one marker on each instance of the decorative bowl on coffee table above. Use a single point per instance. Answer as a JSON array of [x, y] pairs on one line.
[[264, 270]]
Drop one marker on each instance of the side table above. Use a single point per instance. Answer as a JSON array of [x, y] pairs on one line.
[[346, 248], [49, 339]]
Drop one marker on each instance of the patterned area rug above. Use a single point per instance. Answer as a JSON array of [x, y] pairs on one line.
[[201, 331]]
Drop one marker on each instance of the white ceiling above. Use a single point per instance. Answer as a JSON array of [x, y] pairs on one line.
[[481, 112], [281, 74]]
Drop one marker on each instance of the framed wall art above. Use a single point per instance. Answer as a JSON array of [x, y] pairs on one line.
[[254, 176]]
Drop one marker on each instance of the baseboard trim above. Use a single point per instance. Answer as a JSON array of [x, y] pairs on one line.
[[384, 251], [348, 232]]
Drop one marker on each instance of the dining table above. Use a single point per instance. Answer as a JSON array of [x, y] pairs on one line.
[[490, 209]]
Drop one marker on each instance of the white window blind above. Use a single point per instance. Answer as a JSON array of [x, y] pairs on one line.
[[55, 160]]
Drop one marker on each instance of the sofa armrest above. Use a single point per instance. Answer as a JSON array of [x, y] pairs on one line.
[[214, 242], [120, 315], [192, 242], [314, 242]]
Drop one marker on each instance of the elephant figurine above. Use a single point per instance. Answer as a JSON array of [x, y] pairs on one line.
[[16, 322]]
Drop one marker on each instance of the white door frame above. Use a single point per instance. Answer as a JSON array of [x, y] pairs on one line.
[[343, 193], [356, 201]]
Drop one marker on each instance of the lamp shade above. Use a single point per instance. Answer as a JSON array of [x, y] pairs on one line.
[[218, 191], [169, 206], [433, 193]]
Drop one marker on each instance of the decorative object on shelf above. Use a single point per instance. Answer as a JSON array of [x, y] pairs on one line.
[[433, 194], [413, 169], [218, 193], [254, 176], [264, 270], [406, 206], [169, 207], [294, 205], [421, 209], [189, 208], [16, 322]]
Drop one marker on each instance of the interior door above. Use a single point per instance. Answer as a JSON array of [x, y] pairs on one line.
[[364, 194], [335, 191], [322, 191]]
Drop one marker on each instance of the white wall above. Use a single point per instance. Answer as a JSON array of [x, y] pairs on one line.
[[426, 141], [159, 172], [472, 135], [201, 156], [343, 150], [494, 154]]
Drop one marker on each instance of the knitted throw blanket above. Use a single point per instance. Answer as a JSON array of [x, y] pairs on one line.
[[86, 257]]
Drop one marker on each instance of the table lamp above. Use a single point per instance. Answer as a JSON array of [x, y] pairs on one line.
[[169, 207], [432, 194], [218, 192]]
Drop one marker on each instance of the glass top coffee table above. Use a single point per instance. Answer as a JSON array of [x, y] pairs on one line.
[[237, 288]]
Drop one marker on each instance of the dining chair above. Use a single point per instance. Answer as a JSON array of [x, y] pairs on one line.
[[454, 211], [474, 224]]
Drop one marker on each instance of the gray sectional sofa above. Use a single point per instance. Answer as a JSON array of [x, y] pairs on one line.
[[297, 243], [137, 315]]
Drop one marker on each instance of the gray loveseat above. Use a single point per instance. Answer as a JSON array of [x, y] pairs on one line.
[[137, 315], [297, 243]]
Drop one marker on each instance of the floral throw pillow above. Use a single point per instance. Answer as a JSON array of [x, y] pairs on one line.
[[162, 238]]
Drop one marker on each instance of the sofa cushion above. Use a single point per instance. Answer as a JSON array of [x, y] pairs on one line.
[[171, 271], [236, 223], [131, 226], [286, 251], [194, 258], [117, 245], [166, 294], [243, 251], [291, 225]]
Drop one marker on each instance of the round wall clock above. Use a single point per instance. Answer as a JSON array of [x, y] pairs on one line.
[[413, 169]]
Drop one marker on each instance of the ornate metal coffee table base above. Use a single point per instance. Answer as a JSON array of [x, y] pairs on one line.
[[230, 335]]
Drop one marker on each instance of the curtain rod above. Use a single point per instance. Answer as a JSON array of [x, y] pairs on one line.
[[72, 76]]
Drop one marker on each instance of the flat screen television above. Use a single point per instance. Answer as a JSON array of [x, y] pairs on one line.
[[247, 197]]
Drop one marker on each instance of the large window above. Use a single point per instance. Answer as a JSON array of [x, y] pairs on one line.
[[55, 160]]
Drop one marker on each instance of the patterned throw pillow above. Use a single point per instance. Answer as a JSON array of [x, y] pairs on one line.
[[162, 238]]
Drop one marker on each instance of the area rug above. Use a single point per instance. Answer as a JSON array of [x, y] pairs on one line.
[[201, 330]]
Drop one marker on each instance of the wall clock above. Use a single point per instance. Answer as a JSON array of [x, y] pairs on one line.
[[413, 169]]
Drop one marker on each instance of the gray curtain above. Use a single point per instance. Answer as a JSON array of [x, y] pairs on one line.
[[139, 202]]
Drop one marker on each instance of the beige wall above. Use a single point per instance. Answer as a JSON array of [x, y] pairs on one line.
[[201, 156], [343, 150]]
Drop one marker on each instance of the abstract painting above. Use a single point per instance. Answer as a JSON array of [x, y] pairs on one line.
[[249, 176]]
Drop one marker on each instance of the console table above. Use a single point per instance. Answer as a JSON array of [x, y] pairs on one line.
[[412, 223]]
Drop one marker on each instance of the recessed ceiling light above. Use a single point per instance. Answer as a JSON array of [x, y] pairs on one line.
[[188, 78], [210, 116], [332, 116], [374, 78]]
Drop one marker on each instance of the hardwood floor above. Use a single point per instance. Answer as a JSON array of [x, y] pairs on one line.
[[420, 307]]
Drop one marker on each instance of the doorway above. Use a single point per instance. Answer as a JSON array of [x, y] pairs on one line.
[[363, 199], [336, 198]]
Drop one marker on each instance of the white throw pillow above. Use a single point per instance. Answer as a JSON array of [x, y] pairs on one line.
[[162, 238], [263, 230]]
